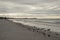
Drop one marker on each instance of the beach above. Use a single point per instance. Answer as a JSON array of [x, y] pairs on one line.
[[16, 31]]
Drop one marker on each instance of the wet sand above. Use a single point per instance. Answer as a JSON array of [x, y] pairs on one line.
[[15, 31]]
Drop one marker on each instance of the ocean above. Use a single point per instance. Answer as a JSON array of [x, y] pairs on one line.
[[53, 24]]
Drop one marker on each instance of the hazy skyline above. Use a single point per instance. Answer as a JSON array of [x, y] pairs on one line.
[[36, 8]]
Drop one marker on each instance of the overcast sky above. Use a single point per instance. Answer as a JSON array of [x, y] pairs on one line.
[[34, 7]]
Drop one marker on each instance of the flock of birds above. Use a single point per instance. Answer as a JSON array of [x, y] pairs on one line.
[[42, 31], [35, 29]]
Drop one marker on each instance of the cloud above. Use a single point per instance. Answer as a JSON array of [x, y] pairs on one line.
[[14, 7], [33, 7]]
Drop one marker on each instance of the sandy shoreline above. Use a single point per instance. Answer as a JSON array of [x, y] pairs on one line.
[[47, 26], [47, 32], [16, 31]]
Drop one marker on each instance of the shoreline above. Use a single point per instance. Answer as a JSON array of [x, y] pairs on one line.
[[29, 25], [39, 30], [15, 31]]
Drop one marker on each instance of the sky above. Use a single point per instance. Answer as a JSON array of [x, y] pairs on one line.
[[31, 8]]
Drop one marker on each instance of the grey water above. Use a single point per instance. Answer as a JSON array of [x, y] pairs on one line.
[[53, 24]]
